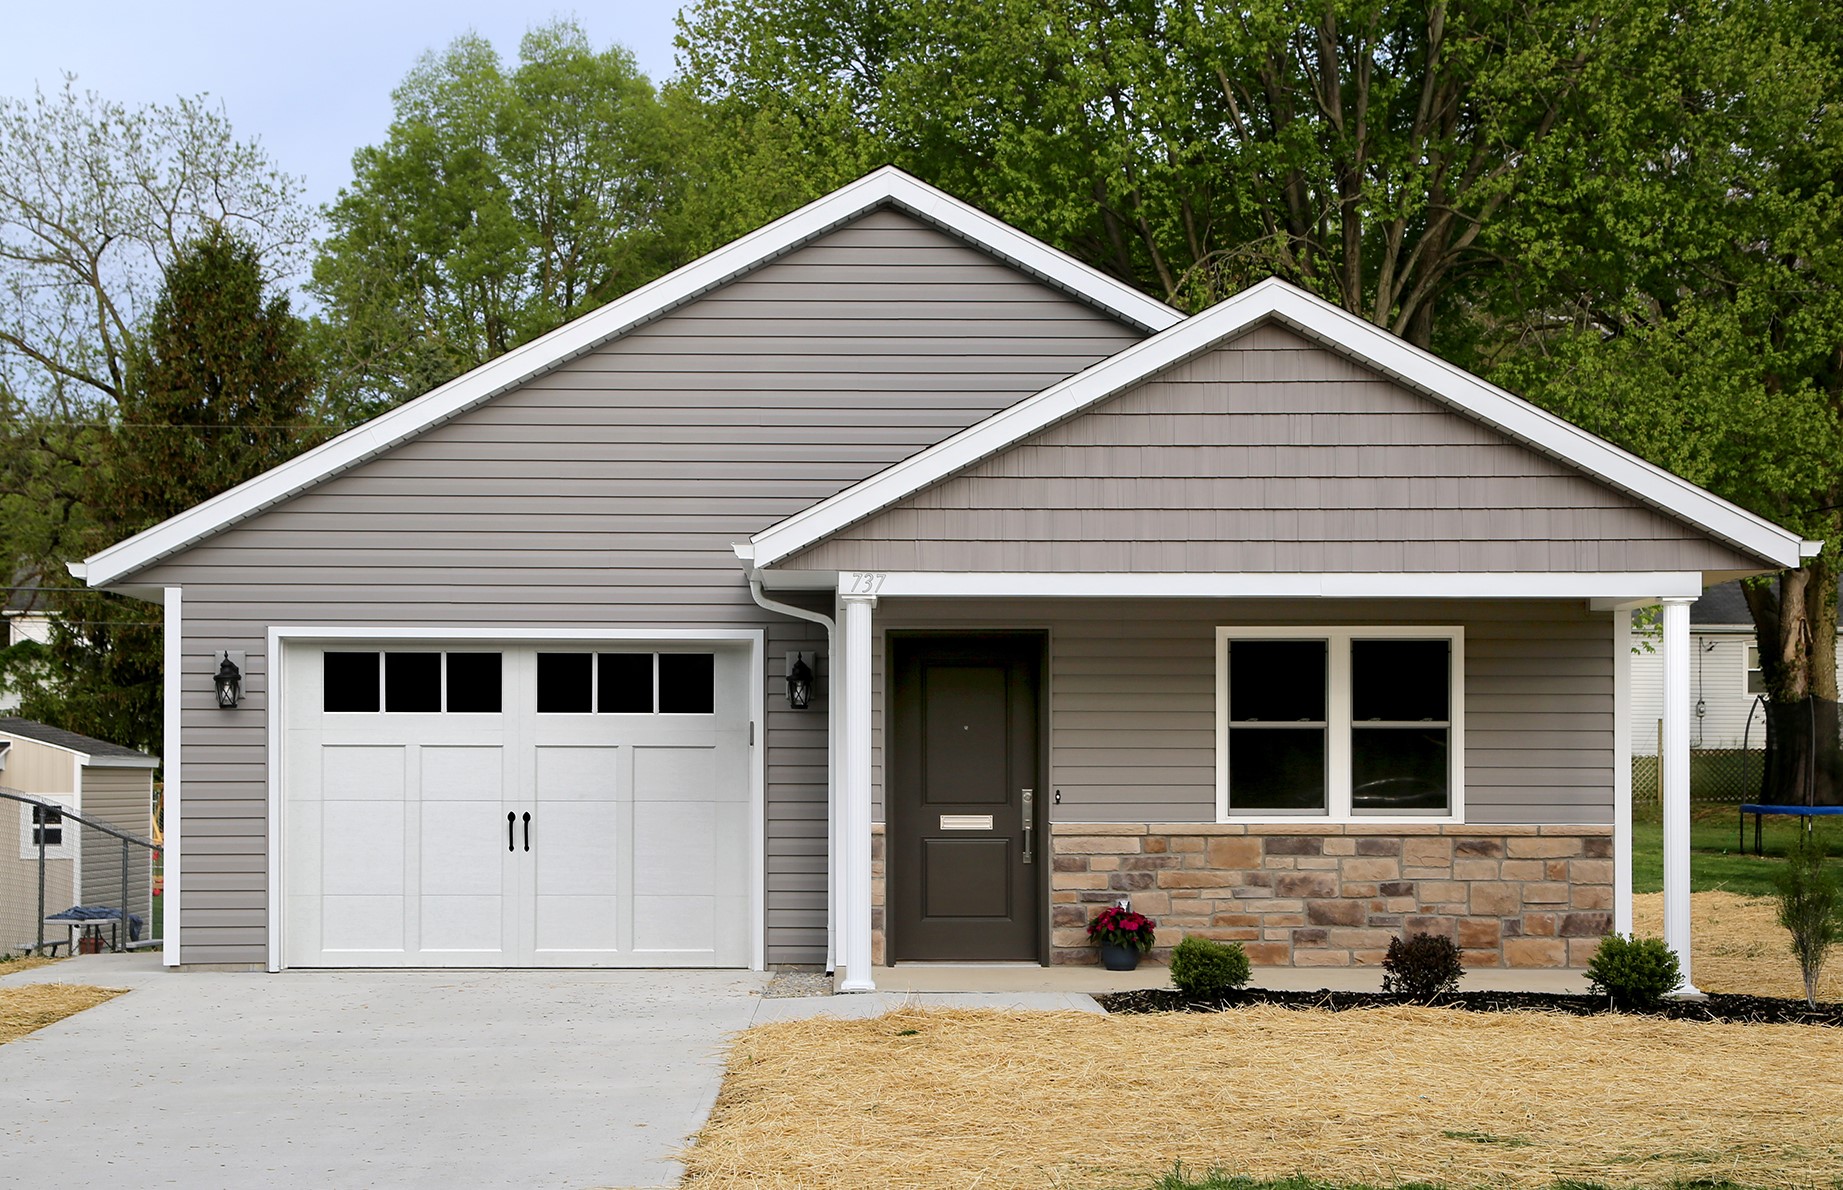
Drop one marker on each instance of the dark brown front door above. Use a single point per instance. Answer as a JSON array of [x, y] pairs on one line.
[[962, 779]]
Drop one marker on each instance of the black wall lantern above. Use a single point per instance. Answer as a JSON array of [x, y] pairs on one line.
[[799, 681], [229, 682]]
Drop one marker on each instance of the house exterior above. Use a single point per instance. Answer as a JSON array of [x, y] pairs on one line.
[[1725, 683], [1289, 631], [101, 781]]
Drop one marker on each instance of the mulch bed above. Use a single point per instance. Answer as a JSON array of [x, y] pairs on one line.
[[1720, 1007]]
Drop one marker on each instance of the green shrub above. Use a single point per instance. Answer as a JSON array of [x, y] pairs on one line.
[[1200, 967], [1637, 973], [1424, 966], [1810, 908]]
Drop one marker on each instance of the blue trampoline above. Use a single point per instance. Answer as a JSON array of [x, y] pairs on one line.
[[1760, 810]]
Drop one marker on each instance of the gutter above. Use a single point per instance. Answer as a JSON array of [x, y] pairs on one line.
[[745, 553]]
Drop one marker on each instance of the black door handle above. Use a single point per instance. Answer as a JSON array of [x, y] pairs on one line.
[[510, 819], [527, 830]]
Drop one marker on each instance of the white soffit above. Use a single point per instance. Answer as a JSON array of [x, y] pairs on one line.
[[1336, 329], [884, 187]]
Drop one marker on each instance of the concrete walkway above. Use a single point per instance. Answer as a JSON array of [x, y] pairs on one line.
[[387, 1079]]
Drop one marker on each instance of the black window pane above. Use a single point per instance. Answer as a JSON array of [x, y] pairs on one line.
[[350, 681], [626, 683], [1277, 681], [474, 683], [565, 683], [413, 682], [1399, 679], [687, 683], [1397, 769], [1276, 769]]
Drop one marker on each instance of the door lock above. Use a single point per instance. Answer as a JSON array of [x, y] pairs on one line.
[[1030, 802]]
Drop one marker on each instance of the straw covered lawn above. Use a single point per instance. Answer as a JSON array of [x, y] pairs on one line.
[[24, 1009], [1737, 945], [1379, 1096], [26, 962]]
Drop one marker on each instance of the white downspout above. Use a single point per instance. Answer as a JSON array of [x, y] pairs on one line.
[[824, 621]]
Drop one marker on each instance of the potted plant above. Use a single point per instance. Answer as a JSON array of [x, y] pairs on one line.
[[1123, 936]]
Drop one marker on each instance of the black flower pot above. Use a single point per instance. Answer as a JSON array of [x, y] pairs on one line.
[[1119, 958]]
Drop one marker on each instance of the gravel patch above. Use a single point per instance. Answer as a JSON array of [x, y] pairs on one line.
[[791, 985]]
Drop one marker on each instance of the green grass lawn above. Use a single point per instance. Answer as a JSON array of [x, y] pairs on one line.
[[1716, 858]]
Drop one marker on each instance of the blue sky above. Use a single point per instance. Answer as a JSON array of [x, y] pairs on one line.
[[311, 81]]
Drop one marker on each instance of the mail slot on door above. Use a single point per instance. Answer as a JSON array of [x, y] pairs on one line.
[[966, 822]]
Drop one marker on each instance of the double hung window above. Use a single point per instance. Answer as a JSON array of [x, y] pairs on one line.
[[1339, 723]]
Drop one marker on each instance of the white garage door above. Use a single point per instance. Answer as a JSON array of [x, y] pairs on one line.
[[488, 806]]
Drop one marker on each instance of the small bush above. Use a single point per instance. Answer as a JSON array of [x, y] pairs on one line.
[[1811, 909], [1202, 968], [1637, 973], [1424, 966]]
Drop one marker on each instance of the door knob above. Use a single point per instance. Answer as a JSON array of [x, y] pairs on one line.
[[1030, 803]]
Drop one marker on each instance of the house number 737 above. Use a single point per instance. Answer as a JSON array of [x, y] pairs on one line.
[[864, 582]]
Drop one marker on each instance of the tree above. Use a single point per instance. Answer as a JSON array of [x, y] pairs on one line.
[[96, 201], [1363, 148], [500, 206], [1685, 300], [1810, 908], [217, 390]]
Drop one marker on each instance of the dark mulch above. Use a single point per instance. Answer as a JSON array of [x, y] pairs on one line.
[[1734, 1010]]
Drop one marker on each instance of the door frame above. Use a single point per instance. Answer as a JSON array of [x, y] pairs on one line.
[[1041, 639], [279, 638]]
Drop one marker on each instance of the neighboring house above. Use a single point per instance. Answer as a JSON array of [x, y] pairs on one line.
[[103, 782], [1725, 688], [1289, 630], [21, 625]]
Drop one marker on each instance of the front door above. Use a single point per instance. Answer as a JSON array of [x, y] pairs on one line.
[[965, 796]]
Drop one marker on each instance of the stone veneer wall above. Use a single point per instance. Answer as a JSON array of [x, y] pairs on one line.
[[1321, 895], [1332, 895]]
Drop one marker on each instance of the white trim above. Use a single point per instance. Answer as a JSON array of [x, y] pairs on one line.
[[1622, 771], [851, 685], [172, 786], [1338, 722], [883, 187], [1336, 329], [1517, 585], [279, 637], [1673, 792]]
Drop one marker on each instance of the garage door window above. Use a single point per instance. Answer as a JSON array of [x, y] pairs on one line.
[[626, 683], [412, 682]]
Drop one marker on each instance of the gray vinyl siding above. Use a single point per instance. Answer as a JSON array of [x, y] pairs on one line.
[[1132, 699], [607, 493], [1270, 454], [122, 798]]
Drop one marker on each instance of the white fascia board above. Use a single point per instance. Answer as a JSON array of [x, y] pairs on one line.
[[1519, 585], [886, 186], [1336, 329]]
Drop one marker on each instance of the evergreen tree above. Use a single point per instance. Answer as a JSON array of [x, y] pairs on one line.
[[219, 390]]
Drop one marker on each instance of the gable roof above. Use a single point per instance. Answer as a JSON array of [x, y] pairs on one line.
[[1332, 327], [101, 753], [886, 187]]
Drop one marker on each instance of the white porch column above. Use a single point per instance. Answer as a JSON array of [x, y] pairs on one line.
[[1622, 771], [1674, 784], [852, 685]]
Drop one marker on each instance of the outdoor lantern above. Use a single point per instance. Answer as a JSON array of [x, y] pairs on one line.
[[799, 683], [229, 682]]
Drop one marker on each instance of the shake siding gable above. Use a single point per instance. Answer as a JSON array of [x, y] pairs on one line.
[[607, 493], [1270, 454]]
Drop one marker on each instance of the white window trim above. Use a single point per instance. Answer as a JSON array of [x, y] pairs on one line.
[[66, 847], [1337, 731], [1750, 652]]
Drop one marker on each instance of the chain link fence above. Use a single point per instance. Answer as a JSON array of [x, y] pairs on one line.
[[71, 881]]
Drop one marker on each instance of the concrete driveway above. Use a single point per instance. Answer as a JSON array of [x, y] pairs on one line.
[[334, 1079]]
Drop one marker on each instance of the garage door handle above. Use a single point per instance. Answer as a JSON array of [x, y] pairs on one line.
[[510, 819], [527, 830]]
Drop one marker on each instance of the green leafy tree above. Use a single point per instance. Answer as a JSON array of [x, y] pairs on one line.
[[501, 205], [218, 389]]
